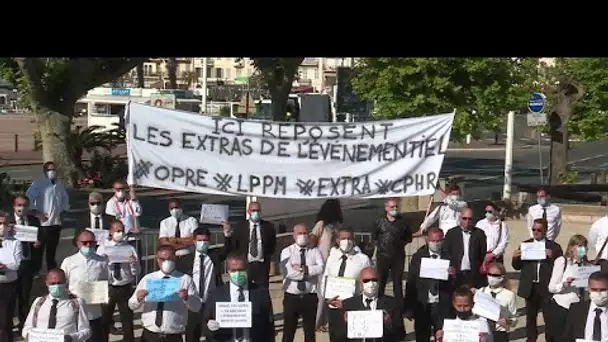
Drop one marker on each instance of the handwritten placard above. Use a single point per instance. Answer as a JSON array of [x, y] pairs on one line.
[[581, 279], [214, 213], [533, 251], [365, 324], [233, 314], [434, 268], [93, 292], [455, 330], [118, 254], [26, 233], [340, 287], [45, 335], [486, 306], [162, 290]]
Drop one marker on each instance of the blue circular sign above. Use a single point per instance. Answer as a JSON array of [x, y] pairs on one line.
[[536, 104]]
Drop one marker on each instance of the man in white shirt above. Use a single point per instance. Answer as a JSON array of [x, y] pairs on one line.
[[87, 266], [588, 320], [301, 267], [344, 261], [125, 207], [598, 236], [548, 211], [121, 276], [448, 212], [9, 265], [497, 234], [59, 310], [48, 202], [165, 321], [176, 230]]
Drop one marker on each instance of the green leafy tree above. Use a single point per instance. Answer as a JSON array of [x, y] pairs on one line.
[[53, 85], [481, 90]]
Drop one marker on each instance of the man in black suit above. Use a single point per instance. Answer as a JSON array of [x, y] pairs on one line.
[[427, 301], [466, 246], [370, 300], [588, 320], [207, 272], [535, 275], [31, 251], [257, 240], [242, 290], [95, 217]]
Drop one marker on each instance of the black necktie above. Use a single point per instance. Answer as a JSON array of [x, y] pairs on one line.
[[178, 234], [97, 223], [160, 308], [201, 276], [434, 290], [597, 325], [493, 294], [342, 266], [53, 315], [302, 283], [240, 332], [368, 303], [116, 271], [253, 242], [545, 213]]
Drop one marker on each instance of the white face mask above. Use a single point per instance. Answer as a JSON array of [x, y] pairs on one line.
[[302, 240], [19, 211], [599, 298], [370, 288], [346, 245], [95, 209], [176, 212], [167, 266], [117, 236], [495, 281], [120, 195], [51, 174]]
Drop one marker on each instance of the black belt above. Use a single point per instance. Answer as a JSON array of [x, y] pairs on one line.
[[161, 335], [122, 286], [300, 295]]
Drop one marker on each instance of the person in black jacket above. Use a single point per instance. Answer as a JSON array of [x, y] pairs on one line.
[[586, 319], [535, 276], [466, 259], [427, 301], [390, 234]]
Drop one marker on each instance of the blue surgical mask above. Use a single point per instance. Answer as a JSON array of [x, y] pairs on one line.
[[202, 246], [393, 213], [542, 201], [86, 250], [581, 251], [254, 216], [238, 278], [490, 216], [57, 290]]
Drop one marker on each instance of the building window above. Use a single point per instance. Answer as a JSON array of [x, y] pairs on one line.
[[209, 71], [316, 73], [305, 73], [228, 73], [218, 73], [199, 72], [238, 72]]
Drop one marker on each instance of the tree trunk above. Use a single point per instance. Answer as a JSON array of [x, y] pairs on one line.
[[140, 75], [55, 132], [279, 96], [172, 69]]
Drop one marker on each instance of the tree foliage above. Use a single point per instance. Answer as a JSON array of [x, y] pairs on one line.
[[481, 90]]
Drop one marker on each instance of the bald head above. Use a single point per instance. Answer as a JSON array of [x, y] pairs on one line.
[[300, 234], [368, 274], [466, 218], [55, 277]]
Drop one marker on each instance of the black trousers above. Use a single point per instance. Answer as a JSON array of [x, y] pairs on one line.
[[148, 336], [337, 325], [294, 307], [24, 289], [196, 327], [49, 239], [257, 272], [534, 304], [427, 320], [500, 336], [98, 333], [395, 265], [119, 295], [555, 321], [184, 263], [8, 294]]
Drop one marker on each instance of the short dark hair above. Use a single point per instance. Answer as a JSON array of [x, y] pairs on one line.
[[58, 271], [433, 230], [201, 231], [541, 221], [542, 188], [599, 276], [21, 196], [492, 204], [47, 164], [115, 221], [162, 248], [463, 291], [236, 256], [175, 200], [345, 229], [453, 187]]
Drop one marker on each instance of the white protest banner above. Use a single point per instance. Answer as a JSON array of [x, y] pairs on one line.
[[581, 279], [455, 330], [45, 335], [233, 314], [365, 324], [182, 151], [340, 287], [26, 233], [486, 306], [93, 292], [214, 213], [119, 254]]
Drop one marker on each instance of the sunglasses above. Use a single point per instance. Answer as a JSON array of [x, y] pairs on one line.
[[489, 212], [466, 218], [94, 203], [118, 189], [495, 274], [368, 280], [87, 243], [539, 230]]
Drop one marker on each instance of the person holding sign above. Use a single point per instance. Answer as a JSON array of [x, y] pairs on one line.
[[371, 300], [86, 267], [462, 306], [342, 269], [123, 267], [561, 285], [125, 208], [176, 230], [497, 234], [428, 294], [301, 267], [11, 254], [588, 320], [207, 275], [535, 275], [59, 310], [447, 214], [166, 296], [239, 310], [96, 217], [257, 239]]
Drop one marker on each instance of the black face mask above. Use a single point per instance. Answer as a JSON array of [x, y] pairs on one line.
[[464, 315]]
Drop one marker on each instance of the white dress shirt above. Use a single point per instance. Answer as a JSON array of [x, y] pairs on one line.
[[234, 297], [355, 262], [563, 294], [126, 211], [290, 256], [497, 235], [554, 219], [13, 252], [92, 221], [209, 283], [448, 218], [433, 299], [591, 319], [465, 263], [79, 268], [65, 318], [175, 314], [187, 225], [258, 233], [508, 305], [128, 271], [597, 236], [48, 198], [373, 304]]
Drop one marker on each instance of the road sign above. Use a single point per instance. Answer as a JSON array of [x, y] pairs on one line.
[[121, 92], [163, 100], [536, 119], [536, 104]]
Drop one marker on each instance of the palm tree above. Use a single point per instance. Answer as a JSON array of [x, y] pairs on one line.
[[88, 140]]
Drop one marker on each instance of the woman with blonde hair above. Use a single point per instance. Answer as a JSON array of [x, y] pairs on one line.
[[562, 286]]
